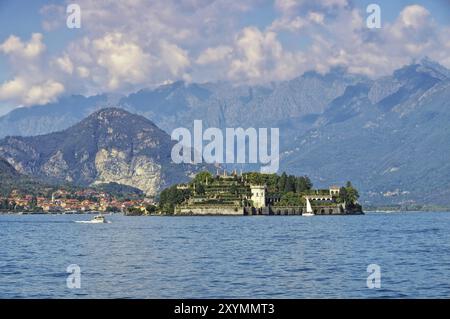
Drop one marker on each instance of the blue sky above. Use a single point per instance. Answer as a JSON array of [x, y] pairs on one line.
[[23, 17], [126, 45]]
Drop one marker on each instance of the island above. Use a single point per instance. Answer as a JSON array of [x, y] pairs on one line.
[[252, 193]]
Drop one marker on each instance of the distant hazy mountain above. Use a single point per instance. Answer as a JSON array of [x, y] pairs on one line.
[[7, 170], [178, 104], [52, 117], [10, 179], [111, 145], [389, 135]]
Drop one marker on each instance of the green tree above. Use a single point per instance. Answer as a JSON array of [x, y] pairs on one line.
[[282, 182], [348, 194], [168, 208], [134, 211], [202, 177], [33, 202], [302, 184], [352, 193], [342, 195], [172, 196], [234, 189], [290, 184], [291, 199], [151, 209], [112, 209], [199, 189]]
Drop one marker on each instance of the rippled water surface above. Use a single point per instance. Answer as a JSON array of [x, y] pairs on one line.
[[226, 257]]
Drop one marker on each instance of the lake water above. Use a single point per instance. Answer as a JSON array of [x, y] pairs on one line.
[[226, 257]]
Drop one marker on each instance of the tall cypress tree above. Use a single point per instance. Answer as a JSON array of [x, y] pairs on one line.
[[290, 184], [282, 182]]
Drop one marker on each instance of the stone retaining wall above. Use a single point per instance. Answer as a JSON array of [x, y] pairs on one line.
[[228, 211]]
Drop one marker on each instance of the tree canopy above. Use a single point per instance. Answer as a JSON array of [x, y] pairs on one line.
[[280, 183]]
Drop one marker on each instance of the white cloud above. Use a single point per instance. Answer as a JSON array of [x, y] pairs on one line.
[[65, 64], [212, 55], [253, 48], [33, 81], [294, 24], [130, 44], [286, 5], [31, 49], [12, 89], [174, 58], [414, 16], [316, 17], [260, 58], [343, 39], [124, 60], [27, 93], [83, 72], [43, 93]]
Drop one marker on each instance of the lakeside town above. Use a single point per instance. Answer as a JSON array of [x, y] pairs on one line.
[[67, 201]]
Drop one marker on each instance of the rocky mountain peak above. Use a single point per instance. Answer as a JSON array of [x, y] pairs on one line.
[[423, 68], [7, 169], [115, 116], [110, 145]]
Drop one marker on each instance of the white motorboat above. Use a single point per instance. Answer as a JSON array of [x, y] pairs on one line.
[[309, 211], [98, 219]]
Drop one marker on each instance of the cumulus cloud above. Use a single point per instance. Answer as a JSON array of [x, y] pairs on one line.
[[29, 93], [15, 46], [316, 17], [32, 83], [254, 50], [65, 64], [414, 16], [416, 29], [83, 72], [286, 5], [212, 55], [124, 60], [341, 38], [175, 58], [127, 45], [43, 93], [12, 89], [259, 57]]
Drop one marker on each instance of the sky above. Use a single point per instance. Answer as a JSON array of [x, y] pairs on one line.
[[123, 46]]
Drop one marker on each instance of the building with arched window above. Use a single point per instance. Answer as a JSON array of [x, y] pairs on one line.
[[258, 195]]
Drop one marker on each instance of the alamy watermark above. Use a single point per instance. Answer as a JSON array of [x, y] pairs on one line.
[[73, 281], [373, 21], [374, 278], [231, 150], [73, 20]]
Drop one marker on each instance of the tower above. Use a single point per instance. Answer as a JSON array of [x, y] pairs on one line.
[[258, 195]]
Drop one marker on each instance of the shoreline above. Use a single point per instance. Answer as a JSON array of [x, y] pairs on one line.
[[376, 211]]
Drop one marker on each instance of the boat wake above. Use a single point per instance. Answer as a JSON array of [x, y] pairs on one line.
[[99, 219], [91, 222]]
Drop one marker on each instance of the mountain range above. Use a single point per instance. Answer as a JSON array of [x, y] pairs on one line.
[[10, 179], [387, 135], [391, 136], [109, 146]]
